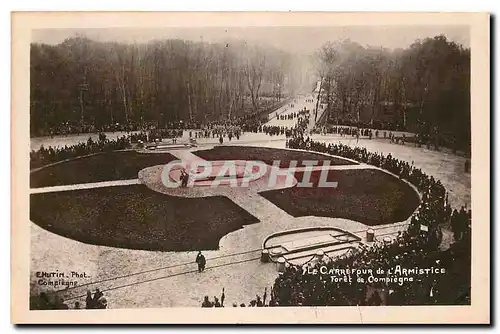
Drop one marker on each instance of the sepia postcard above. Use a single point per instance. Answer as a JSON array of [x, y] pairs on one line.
[[250, 168]]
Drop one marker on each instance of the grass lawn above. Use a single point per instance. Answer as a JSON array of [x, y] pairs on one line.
[[120, 165], [267, 155], [369, 196], [136, 217]]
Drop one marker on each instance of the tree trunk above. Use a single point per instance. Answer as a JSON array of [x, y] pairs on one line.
[[189, 101], [319, 98]]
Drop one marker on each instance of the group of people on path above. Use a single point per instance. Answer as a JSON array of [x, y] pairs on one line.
[[98, 301], [216, 303], [95, 301], [258, 301]]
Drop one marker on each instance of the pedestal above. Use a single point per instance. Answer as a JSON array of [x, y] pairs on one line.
[[264, 257], [370, 235], [281, 264]]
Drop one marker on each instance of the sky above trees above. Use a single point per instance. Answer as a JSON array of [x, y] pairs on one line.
[[291, 39]]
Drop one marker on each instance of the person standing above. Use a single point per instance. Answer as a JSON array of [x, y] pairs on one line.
[[98, 294], [201, 261], [181, 178], [184, 178], [89, 302]]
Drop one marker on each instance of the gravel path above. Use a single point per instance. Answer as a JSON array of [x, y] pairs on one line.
[[84, 186]]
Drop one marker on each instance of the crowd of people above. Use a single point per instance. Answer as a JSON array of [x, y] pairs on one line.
[[258, 301], [216, 302], [293, 115], [302, 118], [44, 302], [136, 137], [217, 130], [71, 128], [45, 156], [235, 129], [358, 132], [248, 120], [432, 141], [159, 134], [94, 300], [77, 127], [448, 284], [375, 124], [274, 130]]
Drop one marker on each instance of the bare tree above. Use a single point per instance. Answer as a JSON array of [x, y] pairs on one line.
[[254, 70]]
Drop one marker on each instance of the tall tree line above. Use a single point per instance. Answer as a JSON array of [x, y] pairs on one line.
[[423, 88], [85, 82]]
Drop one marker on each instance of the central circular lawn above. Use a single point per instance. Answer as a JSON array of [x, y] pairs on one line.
[[136, 217]]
